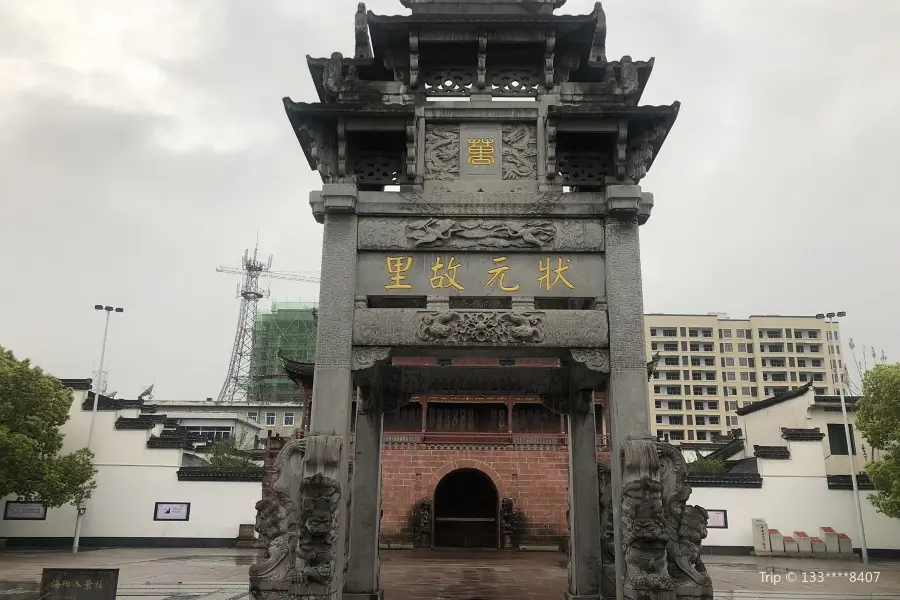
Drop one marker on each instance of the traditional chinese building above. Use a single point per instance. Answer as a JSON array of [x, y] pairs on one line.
[[481, 292], [476, 449]]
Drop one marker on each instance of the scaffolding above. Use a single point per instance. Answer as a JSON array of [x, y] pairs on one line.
[[288, 329]]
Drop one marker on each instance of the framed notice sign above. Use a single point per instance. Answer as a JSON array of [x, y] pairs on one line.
[[79, 584], [172, 511], [24, 511], [718, 519]]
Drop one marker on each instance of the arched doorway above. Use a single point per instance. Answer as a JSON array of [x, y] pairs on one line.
[[466, 509]]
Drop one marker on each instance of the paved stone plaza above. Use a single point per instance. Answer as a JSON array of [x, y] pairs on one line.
[[201, 574]]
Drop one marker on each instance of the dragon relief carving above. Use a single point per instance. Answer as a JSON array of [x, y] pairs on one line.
[[519, 152], [300, 524], [483, 327], [474, 233], [442, 152]]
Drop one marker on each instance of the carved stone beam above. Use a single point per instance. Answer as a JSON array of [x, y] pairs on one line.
[[550, 59], [477, 328], [621, 149], [342, 148], [413, 58], [550, 135], [412, 133], [481, 80]]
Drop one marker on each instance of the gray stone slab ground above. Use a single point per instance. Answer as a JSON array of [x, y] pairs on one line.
[[221, 574]]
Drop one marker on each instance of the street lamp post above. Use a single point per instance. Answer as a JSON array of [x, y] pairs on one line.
[[851, 444], [82, 508]]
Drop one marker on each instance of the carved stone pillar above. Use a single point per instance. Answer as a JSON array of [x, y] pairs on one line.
[[362, 582], [584, 514], [332, 383], [629, 411]]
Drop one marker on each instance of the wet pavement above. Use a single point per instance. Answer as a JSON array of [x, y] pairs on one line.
[[221, 574]]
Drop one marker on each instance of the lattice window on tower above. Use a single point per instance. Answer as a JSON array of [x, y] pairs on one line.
[[585, 160], [440, 79], [486, 303], [515, 82], [377, 158]]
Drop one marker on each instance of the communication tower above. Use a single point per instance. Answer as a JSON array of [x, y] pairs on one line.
[[237, 382]]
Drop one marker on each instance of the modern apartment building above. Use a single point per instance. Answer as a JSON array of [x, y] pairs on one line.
[[710, 365]]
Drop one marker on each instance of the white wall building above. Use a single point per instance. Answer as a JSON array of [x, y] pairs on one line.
[[791, 468], [144, 496]]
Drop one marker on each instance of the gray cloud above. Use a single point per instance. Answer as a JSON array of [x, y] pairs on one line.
[[142, 144]]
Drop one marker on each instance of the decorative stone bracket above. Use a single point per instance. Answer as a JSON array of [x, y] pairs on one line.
[[626, 202]]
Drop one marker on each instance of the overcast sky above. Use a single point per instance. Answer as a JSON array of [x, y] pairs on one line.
[[143, 143]]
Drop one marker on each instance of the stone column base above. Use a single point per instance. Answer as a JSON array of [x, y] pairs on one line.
[[376, 595]]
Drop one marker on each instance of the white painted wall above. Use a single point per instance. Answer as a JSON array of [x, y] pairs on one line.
[[794, 504], [763, 428], [131, 478]]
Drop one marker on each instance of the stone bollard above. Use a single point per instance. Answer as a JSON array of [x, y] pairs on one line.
[[818, 547], [832, 545], [791, 547], [776, 542], [845, 545], [804, 545]]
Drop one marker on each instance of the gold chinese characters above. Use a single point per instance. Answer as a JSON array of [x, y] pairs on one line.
[[481, 152], [447, 272], [397, 267], [447, 278]]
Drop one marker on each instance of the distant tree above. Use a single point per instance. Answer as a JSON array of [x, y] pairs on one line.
[[706, 465], [233, 452], [33, 406], [878, 419]]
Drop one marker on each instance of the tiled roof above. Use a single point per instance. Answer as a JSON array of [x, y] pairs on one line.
[[728, 450], [833, 403], [801, 435], [796, 393], [220, 474], [844, 482], [732, 480], [106, 403], [77, 384], [772, 452]]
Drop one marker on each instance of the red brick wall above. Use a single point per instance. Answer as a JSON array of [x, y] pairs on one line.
[[537, 480]]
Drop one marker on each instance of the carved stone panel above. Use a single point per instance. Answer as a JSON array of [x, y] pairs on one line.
[[302, 524], [556, 275], [517, 235], [519, 152], [550, 329], [442, 152]]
